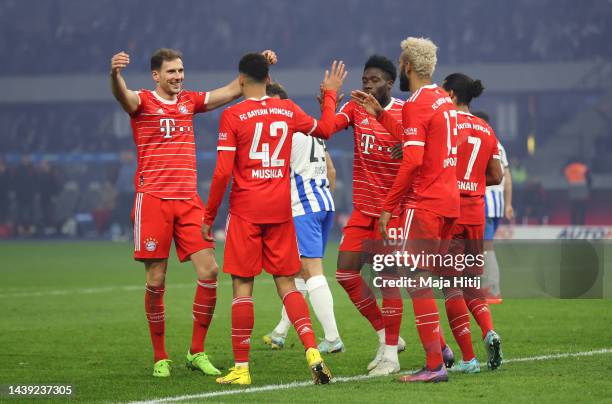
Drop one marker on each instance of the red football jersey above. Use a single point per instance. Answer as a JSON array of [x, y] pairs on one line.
[[373, 168], [476, 145], [165, 142], [429, 120], [260, 132]]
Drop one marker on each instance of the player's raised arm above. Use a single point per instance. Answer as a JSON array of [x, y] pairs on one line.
[[326, 126], [128, 99], [228, 93]]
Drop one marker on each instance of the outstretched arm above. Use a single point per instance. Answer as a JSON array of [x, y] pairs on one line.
[[327, 125], [128, 99], [228, 93]]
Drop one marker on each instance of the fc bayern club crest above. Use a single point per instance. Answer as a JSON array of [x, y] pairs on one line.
[[150, 244], [183, 109]]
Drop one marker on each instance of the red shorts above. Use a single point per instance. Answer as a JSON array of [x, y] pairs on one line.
[[361, 227], [249, 247], [425, 232], [158, 221], [467, 242]]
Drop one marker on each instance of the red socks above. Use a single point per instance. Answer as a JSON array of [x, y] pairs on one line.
[[154, 308], [297, 311], [242, 326], [203, 308], [480, 310], [428, 325], [459, 320], [362, 297]]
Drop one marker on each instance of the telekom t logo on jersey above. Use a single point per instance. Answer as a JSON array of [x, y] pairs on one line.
[[166, 126], [367, 142]]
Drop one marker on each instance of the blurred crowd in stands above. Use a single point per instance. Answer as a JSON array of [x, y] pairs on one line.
[[82, 35]]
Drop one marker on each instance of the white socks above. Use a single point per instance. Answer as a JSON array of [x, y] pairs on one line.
[[323, 305], [381, 336], [390, 353]]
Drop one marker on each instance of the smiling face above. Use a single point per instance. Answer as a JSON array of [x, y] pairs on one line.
[[170, 76]]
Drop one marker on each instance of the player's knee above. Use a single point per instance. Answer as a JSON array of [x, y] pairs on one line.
[[208, 271]]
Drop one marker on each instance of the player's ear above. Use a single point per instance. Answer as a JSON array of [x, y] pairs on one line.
[[268, 80], [155, 75], [241, 79]]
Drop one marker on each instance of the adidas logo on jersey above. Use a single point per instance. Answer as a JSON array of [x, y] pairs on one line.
[[160, 111], [365, 121]]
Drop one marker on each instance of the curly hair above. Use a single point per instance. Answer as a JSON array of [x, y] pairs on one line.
[[421, 54]]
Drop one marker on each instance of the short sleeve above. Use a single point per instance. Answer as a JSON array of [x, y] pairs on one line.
[[200, 101], [415, 126], [302, 122], [346, 111], [142, 99], [227, 136]]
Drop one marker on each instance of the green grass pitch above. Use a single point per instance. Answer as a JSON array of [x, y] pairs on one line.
[[72, 313]]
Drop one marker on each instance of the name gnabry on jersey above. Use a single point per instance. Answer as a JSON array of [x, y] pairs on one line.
[[467, 186]]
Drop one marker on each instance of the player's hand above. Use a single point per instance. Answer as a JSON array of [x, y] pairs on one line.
[[397, 153], [383, 222], [335, 77], [367, 101], [119, 61], [509, 213], [207, 232], [320, 97], [271, 56]]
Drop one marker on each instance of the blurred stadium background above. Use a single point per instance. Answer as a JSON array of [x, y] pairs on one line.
[[66, 152]]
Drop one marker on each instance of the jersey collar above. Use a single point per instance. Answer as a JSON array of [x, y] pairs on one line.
[[390, 104], [265, 97], [163, 100]]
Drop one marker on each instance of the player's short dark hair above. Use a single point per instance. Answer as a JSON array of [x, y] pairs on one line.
[[162, 55], [482, 115], [276, 89], [464, 86], [384, 64], [254, 65]]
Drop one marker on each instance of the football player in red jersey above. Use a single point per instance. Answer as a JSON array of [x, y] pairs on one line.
[[167, 205], [478, 166], [254, 148], [426, 185], [375, 166]]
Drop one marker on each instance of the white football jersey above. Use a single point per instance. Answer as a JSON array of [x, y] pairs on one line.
[[494, 196], [309, 184]]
